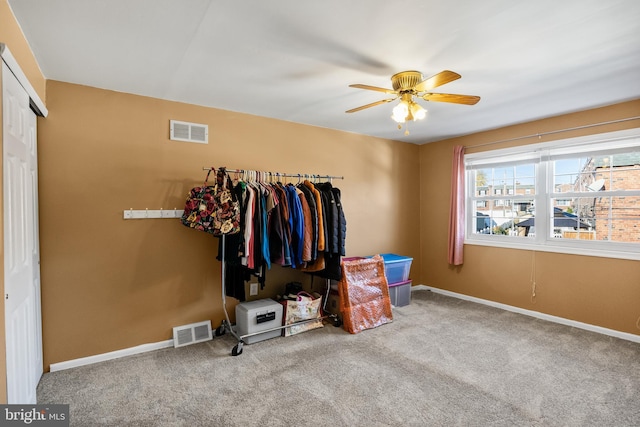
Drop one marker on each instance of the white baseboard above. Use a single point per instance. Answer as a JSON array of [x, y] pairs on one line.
[[110, 356], [536, 314]]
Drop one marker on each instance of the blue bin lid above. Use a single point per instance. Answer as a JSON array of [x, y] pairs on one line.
[[391, 258]]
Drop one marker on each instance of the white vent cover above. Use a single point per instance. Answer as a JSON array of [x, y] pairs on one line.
[[192, 333], [189, 132]]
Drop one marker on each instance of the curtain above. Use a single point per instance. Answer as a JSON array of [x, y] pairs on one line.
[[456, 213]]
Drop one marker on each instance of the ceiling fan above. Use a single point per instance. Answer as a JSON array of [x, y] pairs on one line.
[[409, 84]]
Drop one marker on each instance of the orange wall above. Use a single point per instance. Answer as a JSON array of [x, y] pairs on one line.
[[110, 283], [598, 291], [11, 35]]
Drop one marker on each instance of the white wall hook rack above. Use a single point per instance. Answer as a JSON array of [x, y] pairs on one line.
[[152, 213]]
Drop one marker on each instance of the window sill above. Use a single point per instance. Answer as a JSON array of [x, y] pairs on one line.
[[556, 247]]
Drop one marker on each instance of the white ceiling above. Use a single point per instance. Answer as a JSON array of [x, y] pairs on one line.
[[294, 59]]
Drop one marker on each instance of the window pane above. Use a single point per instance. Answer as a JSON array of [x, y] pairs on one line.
[[525, 182], [503, 175], [504, 216], [572, 219], [598, 173], [566, 173], [623, 176], [615, 219], [481, 181], [505, 180]]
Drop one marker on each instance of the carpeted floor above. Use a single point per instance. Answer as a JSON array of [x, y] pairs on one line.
[[442, 362]]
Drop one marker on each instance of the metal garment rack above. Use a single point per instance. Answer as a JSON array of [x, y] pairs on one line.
[[226, 326], [263, 176]]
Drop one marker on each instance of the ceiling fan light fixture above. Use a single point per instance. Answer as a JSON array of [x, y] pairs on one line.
[[408, 110], [417, 111], [400, 112]]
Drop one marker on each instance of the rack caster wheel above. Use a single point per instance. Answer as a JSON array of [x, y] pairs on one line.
[[236, 350], [337, 322], [220, 331]]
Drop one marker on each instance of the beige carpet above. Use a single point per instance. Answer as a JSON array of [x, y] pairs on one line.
[[442, 362]]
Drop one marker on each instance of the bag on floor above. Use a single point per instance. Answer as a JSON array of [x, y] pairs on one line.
[[200, 207], [364, 294], [227, 214], [305, 307]]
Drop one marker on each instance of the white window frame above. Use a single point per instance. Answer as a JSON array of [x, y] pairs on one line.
[[542, 156]]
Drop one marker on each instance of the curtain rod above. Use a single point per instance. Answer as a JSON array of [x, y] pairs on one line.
[[278, 174], [554, 132]]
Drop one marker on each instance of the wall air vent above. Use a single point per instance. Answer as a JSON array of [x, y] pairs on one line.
[[189, 132], [192, 333]]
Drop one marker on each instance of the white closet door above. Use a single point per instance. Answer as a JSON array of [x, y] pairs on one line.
[[21, 248]]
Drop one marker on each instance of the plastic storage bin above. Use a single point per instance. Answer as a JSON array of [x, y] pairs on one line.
[[400, 293], [256, 316], [396, 268]]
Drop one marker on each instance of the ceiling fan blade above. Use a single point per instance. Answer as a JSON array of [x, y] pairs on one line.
[[439, 79], [448, 97], [379, 89], [373, 104]]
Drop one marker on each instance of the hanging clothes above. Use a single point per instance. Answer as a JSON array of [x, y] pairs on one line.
[[342, 222], [331, 217], [247, 224], [235, 248], [337, 228], [320, 211], [296, 222], [286, 229], [300, 226], [264, 236], [307, 238], [276, 232], [313, 219]]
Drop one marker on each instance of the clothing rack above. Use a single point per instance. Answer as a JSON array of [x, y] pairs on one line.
[[226, 325], [264, 175]]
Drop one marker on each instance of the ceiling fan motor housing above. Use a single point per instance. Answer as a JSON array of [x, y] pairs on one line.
[[406, 80]]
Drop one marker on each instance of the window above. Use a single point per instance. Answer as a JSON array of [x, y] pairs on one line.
[[578, 195]]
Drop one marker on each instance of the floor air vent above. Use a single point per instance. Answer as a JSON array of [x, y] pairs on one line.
[[189, 132], [191, 334]]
